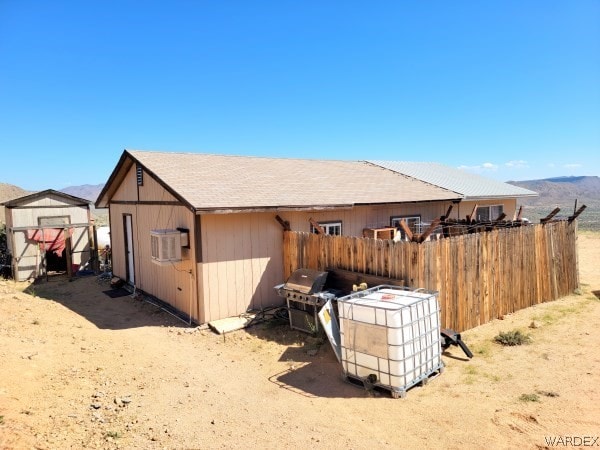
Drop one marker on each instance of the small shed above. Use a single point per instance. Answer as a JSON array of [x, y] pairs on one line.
[[49, 231]]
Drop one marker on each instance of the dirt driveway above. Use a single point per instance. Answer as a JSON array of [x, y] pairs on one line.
[[83, 370]]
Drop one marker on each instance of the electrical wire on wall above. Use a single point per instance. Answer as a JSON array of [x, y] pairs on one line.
[[169, 224], [157, 220]]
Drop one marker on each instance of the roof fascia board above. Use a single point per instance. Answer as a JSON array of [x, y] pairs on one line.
[[250, 209]]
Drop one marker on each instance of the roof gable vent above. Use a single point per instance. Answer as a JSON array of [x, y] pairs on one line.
[[139, 173]]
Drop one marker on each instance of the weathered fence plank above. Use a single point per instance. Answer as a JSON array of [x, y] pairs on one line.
[[479, 276]]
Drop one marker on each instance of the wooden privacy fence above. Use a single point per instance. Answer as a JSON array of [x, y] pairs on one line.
[[479, 276]]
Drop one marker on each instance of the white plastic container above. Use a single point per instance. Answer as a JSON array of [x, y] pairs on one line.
[[390, 336]]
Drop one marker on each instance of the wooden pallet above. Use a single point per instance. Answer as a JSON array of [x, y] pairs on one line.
[[395, 392]]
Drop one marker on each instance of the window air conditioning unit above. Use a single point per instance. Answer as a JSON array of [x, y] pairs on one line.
[[165, 246]]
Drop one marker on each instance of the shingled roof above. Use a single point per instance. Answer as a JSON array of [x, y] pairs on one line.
[[471, 186], [218, 183]]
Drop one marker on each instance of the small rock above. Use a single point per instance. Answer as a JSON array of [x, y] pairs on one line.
[[96, 405]]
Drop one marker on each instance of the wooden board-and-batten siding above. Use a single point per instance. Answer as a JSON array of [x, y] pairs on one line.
[[169, 282], [152, 207], [234, 268], [480, 276], [242, 261]]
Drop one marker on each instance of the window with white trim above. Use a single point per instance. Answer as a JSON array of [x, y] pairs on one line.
[[488, 213], [413, 222], [332, 228]]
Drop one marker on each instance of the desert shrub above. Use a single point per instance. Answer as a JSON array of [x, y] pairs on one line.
[[511, 338], [112, 434], [529, 398]]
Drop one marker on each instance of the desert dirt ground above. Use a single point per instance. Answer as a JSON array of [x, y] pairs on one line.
[[82, 370]]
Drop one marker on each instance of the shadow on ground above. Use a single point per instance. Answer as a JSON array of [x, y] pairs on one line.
[[317, 376], [312, 367], [324, 378], [86, 297]]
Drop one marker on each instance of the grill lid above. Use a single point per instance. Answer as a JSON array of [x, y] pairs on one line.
[[307, 281]]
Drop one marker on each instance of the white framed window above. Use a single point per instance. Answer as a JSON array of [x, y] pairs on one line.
[[413, 222], [489, 212], [332, 228]]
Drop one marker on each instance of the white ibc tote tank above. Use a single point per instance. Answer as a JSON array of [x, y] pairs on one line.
[[390, 336]]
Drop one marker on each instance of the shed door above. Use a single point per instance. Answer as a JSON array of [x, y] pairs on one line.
[[130, 269]]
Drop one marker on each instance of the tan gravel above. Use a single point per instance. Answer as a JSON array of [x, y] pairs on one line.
[[83, 370]]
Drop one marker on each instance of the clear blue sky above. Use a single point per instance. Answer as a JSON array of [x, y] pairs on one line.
[[507, 89]]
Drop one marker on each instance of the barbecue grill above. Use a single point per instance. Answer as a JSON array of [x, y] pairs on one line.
[[305, 295]]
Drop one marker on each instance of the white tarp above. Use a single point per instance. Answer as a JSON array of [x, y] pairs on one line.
[[103, 234], [330, 324]]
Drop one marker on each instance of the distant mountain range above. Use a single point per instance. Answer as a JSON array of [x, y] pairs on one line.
[[562, 191]]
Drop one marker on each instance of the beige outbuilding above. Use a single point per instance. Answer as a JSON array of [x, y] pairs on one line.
[[203, 232], [49, 231]]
